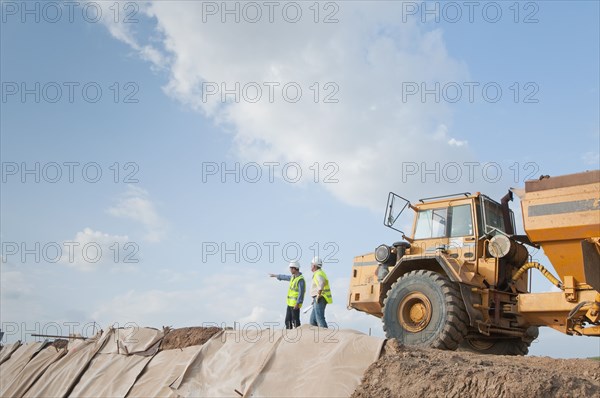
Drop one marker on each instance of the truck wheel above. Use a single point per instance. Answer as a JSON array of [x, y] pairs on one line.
[[501, 346], [425, 309]]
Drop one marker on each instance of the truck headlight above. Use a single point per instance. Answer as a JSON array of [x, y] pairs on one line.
[[383, 254]]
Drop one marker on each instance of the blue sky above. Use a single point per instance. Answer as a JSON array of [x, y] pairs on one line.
[[168, 215]]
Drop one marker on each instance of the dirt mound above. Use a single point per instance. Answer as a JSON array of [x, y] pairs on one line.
[[60, 343], [185, 337], [409, 372]]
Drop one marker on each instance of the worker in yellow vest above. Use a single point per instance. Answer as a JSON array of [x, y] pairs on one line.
[[295, 295], [320, 293]]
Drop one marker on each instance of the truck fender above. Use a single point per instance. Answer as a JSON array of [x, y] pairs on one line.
[[405, 265]]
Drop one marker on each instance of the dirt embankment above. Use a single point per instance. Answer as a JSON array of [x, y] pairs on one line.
[[186, 337], [409, 372]]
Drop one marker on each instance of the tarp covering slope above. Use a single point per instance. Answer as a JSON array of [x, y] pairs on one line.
[[307, 361]]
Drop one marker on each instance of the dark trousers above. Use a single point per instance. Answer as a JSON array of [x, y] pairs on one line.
[[292, 318]]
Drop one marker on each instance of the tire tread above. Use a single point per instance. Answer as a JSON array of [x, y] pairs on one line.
[[454, 330]]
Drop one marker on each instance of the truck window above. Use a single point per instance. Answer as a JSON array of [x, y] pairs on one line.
[[461, 223], [493, 217], [431, 223]]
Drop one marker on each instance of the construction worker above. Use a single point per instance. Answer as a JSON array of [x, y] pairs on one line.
[[320, 293], [295, 295]]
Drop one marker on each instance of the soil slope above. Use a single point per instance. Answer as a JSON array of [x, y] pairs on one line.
[[409, 372]]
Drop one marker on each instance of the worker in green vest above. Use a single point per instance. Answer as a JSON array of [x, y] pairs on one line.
[[320, 293], [295, 295]]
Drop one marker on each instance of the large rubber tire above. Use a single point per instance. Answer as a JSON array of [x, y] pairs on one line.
[[425, 309], [501, 346]]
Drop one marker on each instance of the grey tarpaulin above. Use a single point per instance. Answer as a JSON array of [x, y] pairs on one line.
[[307, 361], [62, 375], [32, 371], [10, 369], [8, 350], [162, 370]]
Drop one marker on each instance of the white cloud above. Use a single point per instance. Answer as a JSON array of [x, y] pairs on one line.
[[13, 284], [253, 297], [455, 142], [258, 314], [135, 204], [90, 250], [369, 57], [19, 300], [121, 21], [171, 276], [591, 158]]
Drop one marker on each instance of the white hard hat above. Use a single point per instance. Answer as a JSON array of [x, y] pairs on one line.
[[295, 264], [317, 261]]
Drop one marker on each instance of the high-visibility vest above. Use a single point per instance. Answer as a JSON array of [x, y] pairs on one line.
[[294, 291], [326, 292]]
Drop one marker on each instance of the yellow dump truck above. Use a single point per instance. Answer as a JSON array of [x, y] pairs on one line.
[[461, 279]]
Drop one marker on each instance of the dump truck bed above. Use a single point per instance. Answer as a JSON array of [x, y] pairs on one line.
[[562, 214]]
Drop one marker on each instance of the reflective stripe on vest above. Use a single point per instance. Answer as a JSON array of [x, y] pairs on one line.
[[294, 291], [326, 292]]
